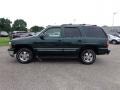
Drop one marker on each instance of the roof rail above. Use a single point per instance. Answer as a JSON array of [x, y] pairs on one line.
[[72, 25]]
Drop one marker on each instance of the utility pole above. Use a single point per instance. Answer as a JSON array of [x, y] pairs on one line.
[[113, 19], [74, 21]]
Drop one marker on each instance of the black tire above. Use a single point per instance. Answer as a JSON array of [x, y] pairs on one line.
[[114, 42], [90, 59], [24, 59]]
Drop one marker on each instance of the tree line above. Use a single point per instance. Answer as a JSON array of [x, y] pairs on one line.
[[17, 25]]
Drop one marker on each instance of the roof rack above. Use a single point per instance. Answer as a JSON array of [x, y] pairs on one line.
[[78, 24], [70, 25]]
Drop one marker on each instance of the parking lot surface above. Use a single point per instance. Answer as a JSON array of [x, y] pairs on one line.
[[61, 74]]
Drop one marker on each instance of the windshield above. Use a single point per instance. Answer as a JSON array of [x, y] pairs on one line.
[[117, 35], [113, 36]]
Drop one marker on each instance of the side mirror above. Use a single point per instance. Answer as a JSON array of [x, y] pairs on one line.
[[42, 36]]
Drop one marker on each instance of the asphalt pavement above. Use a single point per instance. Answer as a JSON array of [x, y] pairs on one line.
[[61, 74]]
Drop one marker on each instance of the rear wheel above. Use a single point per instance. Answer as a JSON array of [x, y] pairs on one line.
[[24, 55], [87, 56], [114, 42]]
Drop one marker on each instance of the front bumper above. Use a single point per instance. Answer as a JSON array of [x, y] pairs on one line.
[[103, 51], [11, 52], [108, 51]]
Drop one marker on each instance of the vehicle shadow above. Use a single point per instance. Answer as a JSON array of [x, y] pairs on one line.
[[57, 60], [65, 61], [60, 61]]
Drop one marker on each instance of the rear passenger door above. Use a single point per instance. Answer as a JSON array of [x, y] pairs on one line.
[[72, 41]]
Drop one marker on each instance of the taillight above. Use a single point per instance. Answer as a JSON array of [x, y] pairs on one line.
[[107, 43]]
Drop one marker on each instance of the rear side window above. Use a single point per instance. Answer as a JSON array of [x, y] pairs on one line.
[[71, 32], [94, 32]]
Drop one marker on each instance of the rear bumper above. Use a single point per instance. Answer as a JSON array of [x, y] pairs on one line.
[[11, 52], [102, 51]]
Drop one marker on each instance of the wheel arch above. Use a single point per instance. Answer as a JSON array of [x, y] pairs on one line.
[[114, 40], [94, 48], [19, 46]]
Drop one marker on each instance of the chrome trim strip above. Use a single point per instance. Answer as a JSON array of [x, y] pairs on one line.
[[56, 49]]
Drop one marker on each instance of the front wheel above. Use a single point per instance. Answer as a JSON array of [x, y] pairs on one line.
[[24, 55], [87, 56]]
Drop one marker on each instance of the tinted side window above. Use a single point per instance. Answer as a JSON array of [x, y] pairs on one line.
[[72, 32], [94, 32]]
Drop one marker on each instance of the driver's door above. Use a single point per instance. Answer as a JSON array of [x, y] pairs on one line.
[[51, 44]]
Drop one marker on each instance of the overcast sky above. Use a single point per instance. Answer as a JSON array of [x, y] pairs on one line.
[[48, 12]]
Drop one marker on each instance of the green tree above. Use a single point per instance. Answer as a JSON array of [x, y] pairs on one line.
[[5, 25], [36, 29], [19, 25]]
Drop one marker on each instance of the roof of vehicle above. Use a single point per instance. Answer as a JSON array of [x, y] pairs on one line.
[[70, 25], [18, 31], [2, 31], [77, 25]]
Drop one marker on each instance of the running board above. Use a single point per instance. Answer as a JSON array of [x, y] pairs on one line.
[[57, 57]]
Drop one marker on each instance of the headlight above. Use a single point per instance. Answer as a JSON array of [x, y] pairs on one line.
[[9, 43]]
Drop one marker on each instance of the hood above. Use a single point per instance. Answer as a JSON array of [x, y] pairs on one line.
[[115, 37], [24, 40]]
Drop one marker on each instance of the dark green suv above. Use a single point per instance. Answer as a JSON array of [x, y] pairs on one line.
[[67, 40]]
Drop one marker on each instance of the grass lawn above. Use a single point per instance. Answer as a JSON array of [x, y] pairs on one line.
[[4, 41]]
